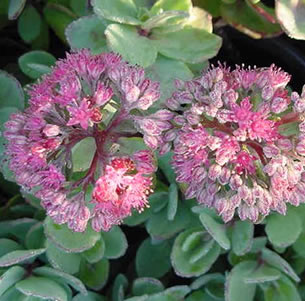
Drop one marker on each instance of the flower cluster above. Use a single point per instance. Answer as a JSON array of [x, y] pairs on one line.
[[84, 96], [238, 140]]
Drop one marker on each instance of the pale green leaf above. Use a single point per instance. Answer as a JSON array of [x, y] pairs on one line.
[[123, 38], [120, 11], [43, 288]]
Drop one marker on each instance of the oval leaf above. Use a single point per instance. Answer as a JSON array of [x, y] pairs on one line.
[[19, 256], [66, 262], [11, 93], [10, 277], [15, 8], [283, 230], [242, 237], [236, 289], [121, 11], [122, 39], [61, 276], [43, 288], [87, 32], [36, 63], [69, 241], [216, 230], [115, 243], [159, 259]]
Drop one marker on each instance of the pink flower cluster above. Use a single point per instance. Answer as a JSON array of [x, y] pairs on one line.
[[238, 140], [84, 96]]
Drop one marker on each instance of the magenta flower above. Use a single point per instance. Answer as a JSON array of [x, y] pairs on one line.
[[84, 96], [235, 144]]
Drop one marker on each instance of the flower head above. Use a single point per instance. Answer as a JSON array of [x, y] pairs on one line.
[[233, 144], [84, 96]]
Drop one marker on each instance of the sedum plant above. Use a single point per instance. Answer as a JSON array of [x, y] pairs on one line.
[[135, 186]]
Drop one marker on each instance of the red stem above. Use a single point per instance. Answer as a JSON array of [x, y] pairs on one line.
[[288, 118]]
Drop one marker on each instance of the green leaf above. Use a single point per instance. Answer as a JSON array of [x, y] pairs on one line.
[[90, 297], [242, 237], [178, 291], [115, 243], [216, 230], [35, 238], [83, 153], [58, 17], [29, 24], [15, 8], [8, 245], [10, 277], [12, 294], [290, 15], [123, 38], [200, 18], [159, 227], [118, 288], [164, 5], [190, 45], [263, 273], [173, 201], [87, 32], [11, 93], [36, 63], [70, 241], [284, 290], [80, 7], [94, 275], [283, 230], [278, 262], [299, 245], [61, 277], [142, 286], [120, 11], [153, 260], [19, 256], [165, 71], [42, 287], [17, 227], [166, 21], [195, 257], [247, 20], [236, 289], [66, 262], [96, 253], [211, 6]]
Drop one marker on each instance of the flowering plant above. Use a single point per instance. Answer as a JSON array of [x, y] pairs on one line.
[[132, 169]]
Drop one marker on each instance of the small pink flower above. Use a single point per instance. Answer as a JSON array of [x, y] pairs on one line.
[[230, 126], [85, 96]]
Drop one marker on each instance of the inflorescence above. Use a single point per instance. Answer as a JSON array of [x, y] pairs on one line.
[[84, 96], [238, 140]]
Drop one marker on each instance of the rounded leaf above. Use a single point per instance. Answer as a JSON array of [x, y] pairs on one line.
[[36, 63], [122, 39], [66, 262], [43, 288], [120, 11], [195, 259], [68, 240], [15, 8], [96, 253], [115, 243], [11, 92], [242, 237], [216, 230], [29, 24], [283, 230], [290, 15], [236, 289], [62, 277], [153, 260], [95, 275], [87, 32]]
